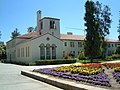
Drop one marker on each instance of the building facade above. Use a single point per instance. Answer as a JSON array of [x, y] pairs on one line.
[[47, 43]]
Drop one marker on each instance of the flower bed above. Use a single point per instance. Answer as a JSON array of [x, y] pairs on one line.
[[116, 75], [85, 73], [111, 65], [117, 69], [80, 69]]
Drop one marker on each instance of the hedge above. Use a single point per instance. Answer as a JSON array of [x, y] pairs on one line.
[[49, 62]]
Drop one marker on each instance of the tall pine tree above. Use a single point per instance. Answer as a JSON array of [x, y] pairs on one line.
[[119, 27], [93, 38]]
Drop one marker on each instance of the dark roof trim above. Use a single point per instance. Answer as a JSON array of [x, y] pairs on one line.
[[49, 18]]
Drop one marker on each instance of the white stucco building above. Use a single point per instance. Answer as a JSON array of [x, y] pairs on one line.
[[47, 43]]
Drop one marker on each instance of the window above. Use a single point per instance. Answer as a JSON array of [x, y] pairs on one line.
[[113, 52], [112, 45], [63, 53], [52, 25], [23, 52], [41, 25], [28, 52], [65, 43], [109, 45], [48, 51], [78, 52], [18, 52], [74, 52], [71, 44], [53, 51], [42, 52], [79, 44], [14, 53]]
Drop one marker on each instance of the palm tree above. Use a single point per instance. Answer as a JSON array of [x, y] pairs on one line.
[[30, 29]]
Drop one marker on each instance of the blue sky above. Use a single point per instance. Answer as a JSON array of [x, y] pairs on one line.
[[22, 13]]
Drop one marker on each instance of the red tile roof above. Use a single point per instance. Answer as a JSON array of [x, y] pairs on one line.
[[28, 35], [80, 37], [111, 40], [62, 37], [72, 37]]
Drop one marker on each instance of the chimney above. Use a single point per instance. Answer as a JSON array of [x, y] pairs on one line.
[[69, 33], [38, 18]]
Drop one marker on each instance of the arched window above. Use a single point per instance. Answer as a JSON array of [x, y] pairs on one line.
[[53, 51], [48, 51], [42, 52]]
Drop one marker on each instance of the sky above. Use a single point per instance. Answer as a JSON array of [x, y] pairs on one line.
[[21, 14]]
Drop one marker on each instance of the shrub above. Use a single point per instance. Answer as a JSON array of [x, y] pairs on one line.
[[66, 56], [69, 55], [3, 60], [115, 56], [48, 62], [81, 56], [109, 58]]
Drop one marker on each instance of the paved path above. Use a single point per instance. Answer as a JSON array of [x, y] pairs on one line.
[[11, 79]]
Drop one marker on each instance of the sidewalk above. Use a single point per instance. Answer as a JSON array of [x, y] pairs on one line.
[[11, 79]]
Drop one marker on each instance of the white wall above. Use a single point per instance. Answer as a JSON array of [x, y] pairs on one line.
[[111, 48], [25, 58], [68, 49], [43, 39], [46, 27]]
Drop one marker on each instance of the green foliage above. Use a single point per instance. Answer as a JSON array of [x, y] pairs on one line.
[[69, 55], [0, 34], [98, 21], [103, 16], [49, 62], [113, 57], [2, 52], [119, 27], [118, 50], [105, 20], [15, 33], [81, 56], [30, 29], [93, 40], [119, 37]]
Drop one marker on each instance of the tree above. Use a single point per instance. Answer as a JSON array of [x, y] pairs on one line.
[[30, 29], [118, 50], [15, 33], [119, 27], [105, 25], [106, 21], [93, 38], [103, 15], [0, 34], [2, 51]]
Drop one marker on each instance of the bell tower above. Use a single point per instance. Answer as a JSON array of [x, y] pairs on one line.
[[48, 25]]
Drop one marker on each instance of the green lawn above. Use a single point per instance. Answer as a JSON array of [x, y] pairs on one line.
[[95, 60]]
